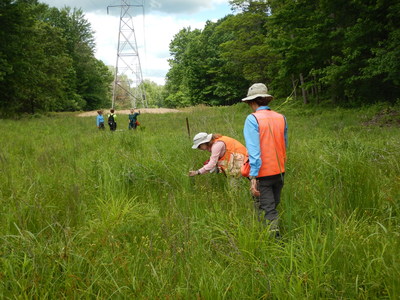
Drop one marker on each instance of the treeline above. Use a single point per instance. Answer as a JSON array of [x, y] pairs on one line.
[[343, 51], [47, 60], [153, 93]]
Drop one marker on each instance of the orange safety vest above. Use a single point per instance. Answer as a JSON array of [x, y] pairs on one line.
[[234, 157], [272, 142]]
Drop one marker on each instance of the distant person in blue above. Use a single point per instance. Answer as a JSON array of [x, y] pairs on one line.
[[133, 123], [100, 120]]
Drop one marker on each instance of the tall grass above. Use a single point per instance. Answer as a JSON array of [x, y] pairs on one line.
[[91, 214]]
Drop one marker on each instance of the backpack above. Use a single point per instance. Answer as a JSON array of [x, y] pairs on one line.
[[111, 119]]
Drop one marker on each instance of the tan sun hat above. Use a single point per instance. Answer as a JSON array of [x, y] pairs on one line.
[[257, 90], [201, 138]]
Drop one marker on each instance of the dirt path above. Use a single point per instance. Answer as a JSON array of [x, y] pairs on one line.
[[127, 111]]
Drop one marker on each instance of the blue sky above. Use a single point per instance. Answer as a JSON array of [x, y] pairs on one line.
[[154, 30]]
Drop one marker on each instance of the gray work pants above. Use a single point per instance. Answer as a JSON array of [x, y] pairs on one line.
[[270, 188]]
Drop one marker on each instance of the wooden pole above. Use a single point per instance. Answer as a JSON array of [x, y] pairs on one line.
[[188, 128]]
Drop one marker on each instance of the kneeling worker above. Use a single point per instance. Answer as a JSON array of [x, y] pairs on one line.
[[227, 154]]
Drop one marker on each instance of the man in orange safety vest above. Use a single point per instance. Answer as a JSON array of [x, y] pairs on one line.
[[265, 133]]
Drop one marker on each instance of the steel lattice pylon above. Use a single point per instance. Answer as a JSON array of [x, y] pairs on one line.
[[128, 71]]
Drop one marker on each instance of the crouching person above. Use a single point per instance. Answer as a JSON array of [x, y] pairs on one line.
[[227, 154]]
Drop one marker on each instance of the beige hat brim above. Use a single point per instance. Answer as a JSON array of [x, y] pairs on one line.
[[202, 141], [252, 97]]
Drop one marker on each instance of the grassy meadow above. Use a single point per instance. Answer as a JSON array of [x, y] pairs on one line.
[[113, 215]]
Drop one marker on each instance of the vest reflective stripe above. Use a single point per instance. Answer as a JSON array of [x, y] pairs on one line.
[[272, 142], [232, 148]]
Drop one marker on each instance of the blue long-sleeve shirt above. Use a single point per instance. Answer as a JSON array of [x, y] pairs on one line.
[[99, 119], [252, 138]]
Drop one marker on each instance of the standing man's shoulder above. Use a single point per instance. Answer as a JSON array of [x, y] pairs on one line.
[[251, 118]]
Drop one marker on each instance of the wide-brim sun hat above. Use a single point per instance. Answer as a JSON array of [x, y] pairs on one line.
[[201, 138], [257, 90]]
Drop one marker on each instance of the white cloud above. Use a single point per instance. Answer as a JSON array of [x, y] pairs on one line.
[[163, 6], [159, 31], [152, 40], [162, 20]]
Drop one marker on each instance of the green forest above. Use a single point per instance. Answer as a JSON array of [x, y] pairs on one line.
[[340, 52], [343, 52], [47, 60]]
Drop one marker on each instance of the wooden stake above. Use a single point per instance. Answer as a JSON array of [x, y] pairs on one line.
[[188, 128]]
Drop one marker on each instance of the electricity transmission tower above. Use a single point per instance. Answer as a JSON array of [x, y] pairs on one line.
[[128, 71]]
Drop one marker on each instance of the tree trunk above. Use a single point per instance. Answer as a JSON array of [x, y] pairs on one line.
[[32, 106], [316, 89], [294, 88], [303, 90], [334, 92]]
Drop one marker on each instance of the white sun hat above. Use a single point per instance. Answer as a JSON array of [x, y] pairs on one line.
[[201, 138], [257, 90]]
